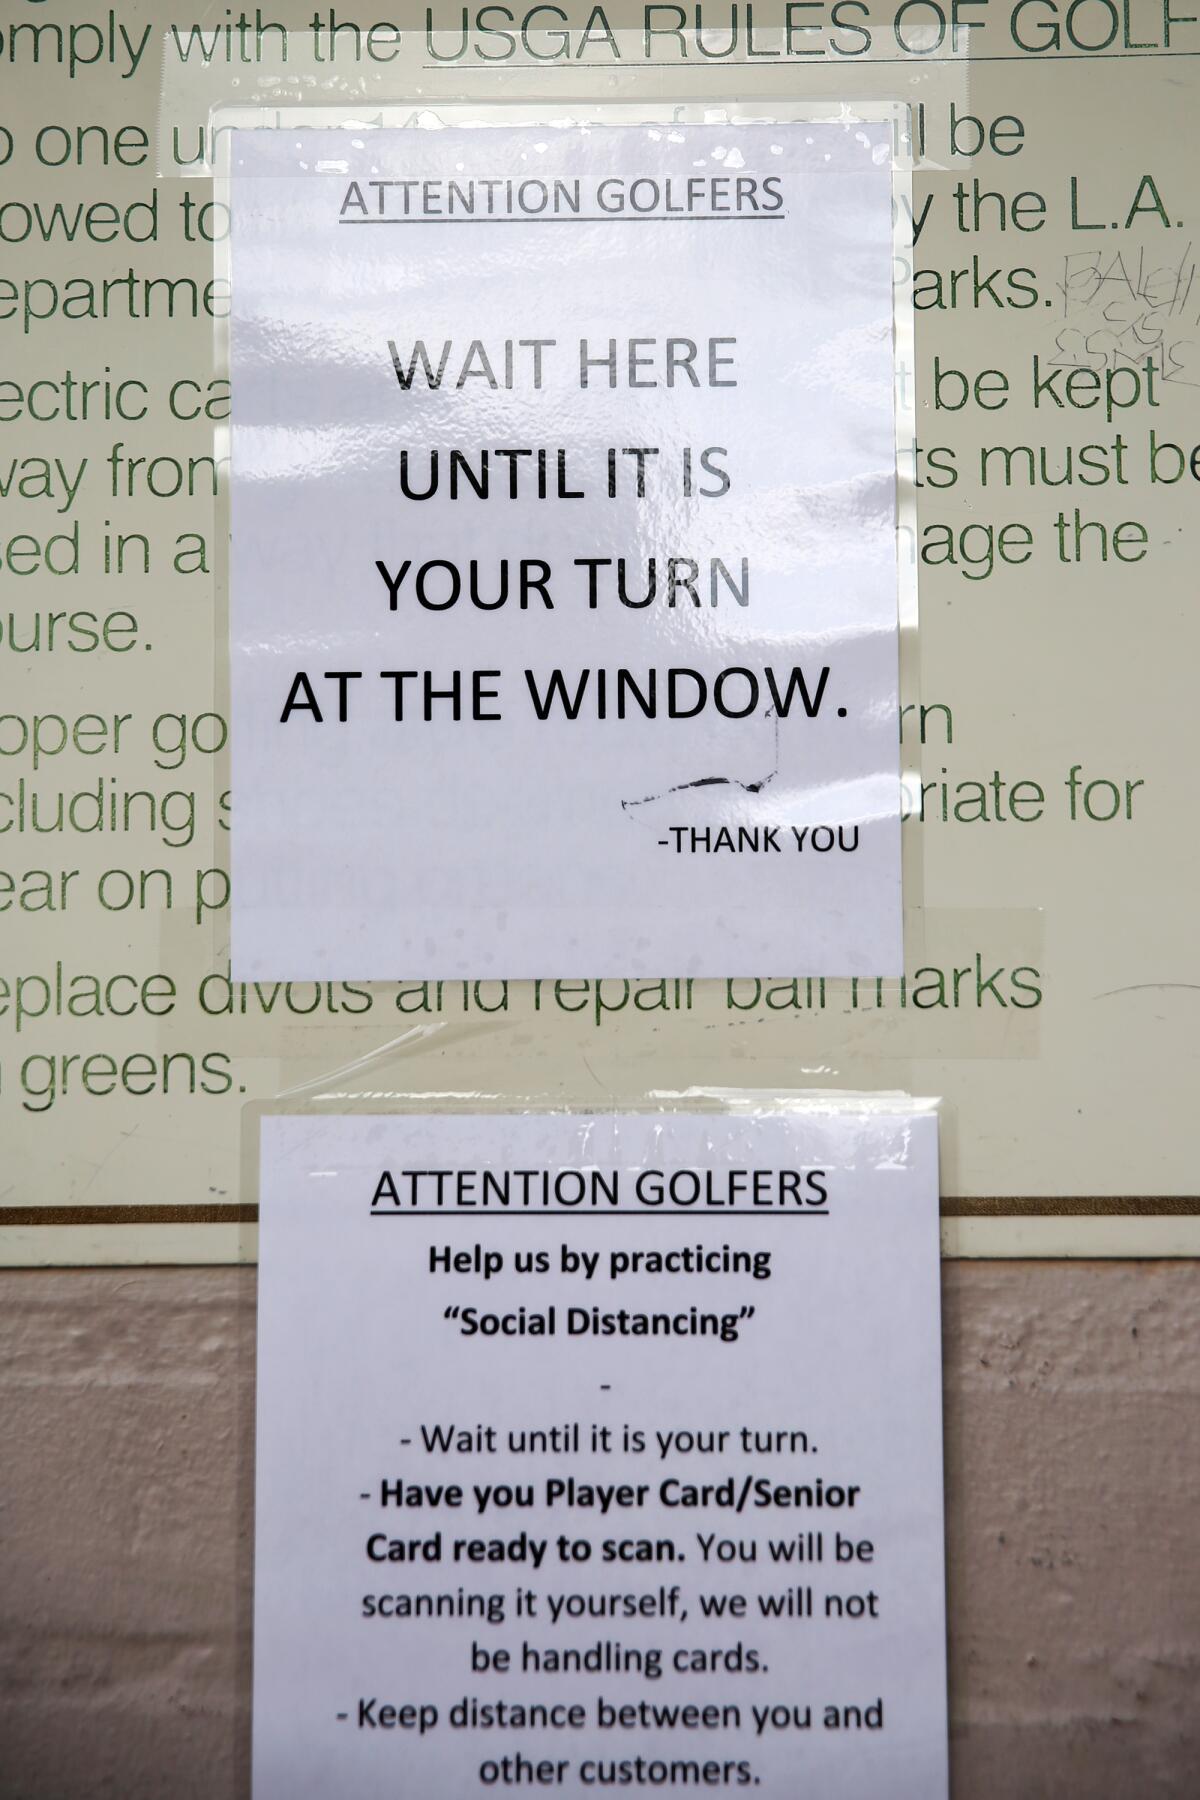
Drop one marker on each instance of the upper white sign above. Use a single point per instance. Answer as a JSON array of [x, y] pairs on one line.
[[564, 566]]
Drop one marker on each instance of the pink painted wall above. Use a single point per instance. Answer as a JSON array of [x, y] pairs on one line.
[[1072, 1470]]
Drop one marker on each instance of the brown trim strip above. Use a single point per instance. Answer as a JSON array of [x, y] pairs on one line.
[[1141, 1206], [1105, 1206], [216, 1213]]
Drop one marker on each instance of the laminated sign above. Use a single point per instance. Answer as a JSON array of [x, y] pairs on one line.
[[564, 598]]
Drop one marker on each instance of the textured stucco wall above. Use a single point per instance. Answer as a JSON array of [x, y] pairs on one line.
[[1073, 1469]]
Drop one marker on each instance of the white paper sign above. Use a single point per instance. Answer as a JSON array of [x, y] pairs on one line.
[[564, 565], [599, 1452]]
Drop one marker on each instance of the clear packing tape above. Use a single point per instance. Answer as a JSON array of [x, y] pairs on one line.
[[223, 75], [545, 70], [553, 75], [877, 1125]]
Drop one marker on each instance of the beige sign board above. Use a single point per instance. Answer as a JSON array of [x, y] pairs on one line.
[[1051, 990]]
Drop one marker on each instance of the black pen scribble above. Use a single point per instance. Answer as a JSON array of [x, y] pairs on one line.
[[703, 781]]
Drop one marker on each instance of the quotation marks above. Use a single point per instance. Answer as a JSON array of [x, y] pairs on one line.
[[455, 1312], [523, 1324]]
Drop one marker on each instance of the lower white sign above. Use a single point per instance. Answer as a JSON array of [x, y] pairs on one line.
[[599, 1452]]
